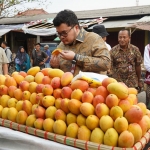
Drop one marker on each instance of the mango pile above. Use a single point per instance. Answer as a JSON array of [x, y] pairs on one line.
[[47, 100]]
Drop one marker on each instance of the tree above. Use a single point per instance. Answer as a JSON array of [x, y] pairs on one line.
[[8, 7]]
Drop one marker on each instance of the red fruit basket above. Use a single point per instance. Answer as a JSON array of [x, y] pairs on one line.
[[85, 145]]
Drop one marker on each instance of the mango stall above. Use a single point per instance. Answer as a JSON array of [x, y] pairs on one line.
[[80, 112]]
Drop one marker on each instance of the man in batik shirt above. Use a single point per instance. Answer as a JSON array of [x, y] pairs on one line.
[[81, 50], [126, 61]]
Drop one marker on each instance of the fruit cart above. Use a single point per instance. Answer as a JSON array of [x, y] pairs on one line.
[[79, 112], [85, 145]]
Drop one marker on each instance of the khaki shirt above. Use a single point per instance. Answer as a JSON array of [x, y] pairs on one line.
[[3, 59], [124, 63], [93, 55]]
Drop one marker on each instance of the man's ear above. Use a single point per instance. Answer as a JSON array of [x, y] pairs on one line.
[[77, 27]]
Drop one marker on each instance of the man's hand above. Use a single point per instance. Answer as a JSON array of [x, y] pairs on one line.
[[41, 63], [5, 69], [54, 61], [68, 55], [140, 84]]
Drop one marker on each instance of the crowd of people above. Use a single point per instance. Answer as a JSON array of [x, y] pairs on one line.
[[85, 51]]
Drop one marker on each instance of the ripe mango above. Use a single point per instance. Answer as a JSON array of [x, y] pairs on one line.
[[2, 79], [120, 90], [21, 117], [12, 114], [126, 139], [80, 84], [97, 136], [30, 120], [33, 71], [72, 130], [66, 78], [84, 133], [39, 77], [48, 124], [74, 106], [111, 137], [55, 73], [81, 120], [87, 109], [59, 127], [71, 118]]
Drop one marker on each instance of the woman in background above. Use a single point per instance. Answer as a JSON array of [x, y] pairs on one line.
[[22, 60]]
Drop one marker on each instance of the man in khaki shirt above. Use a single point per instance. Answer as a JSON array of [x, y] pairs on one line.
[[81, 50], [3, 62]]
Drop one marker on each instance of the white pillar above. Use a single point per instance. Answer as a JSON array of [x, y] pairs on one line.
[[38, 39]]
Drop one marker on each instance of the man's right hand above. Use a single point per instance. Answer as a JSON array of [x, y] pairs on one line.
[[54, 61]]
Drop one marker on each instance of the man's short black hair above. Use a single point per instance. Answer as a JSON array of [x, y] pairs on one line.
[[127, 31], [67, 17], [5, 43], [37, 44]]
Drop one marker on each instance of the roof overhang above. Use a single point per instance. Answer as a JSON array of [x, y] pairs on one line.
[[4, 31], [143, 23], [6, 28]]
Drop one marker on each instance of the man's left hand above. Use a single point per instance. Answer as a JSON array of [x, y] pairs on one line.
[[41, 63], [68, 55], [140, 84]]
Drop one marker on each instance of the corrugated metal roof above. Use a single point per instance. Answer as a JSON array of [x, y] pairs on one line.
[[111, 12], [117, 23], [143, 23]]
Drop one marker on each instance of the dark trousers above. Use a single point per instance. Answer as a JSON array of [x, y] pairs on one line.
[[148, 96]]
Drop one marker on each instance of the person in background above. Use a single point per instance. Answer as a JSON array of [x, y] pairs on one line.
[[12, 67], [38, 57], [3, 62], [13, 55], [126, 61], [100, 30], [7, 50], [147, 67], [81, 50], [48, 52], [22, 60]]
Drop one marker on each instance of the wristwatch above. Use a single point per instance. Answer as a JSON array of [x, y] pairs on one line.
[[75, 57]]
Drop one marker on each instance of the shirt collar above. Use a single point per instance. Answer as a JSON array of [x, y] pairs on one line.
[[81, 35], [128, 47], [6, 48]]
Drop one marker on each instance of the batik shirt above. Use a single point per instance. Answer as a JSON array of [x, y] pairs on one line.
[[93, 55], [123, 64]]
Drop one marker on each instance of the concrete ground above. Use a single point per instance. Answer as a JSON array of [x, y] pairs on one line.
[[142, 97]]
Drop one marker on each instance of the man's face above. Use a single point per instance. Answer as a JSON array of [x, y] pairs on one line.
[[2, 45], [45, 48], [123, 38], [67, 34], [37, 47]]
